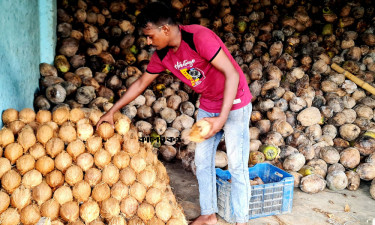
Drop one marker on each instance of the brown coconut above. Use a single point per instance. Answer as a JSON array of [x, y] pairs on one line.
[[43, 116], [127, 176], [21, 197], [6, 137], [138, 191], [75, 148], [93, 144], [121, 160], [84, 131], [102, 158], [10, 217], [81, 191], [101, 192], [27, 115], [63, 194], [50, 209], [41, 193], [138, 163], [37, 151], [112, 145], [350, 158], [10, 181], [199, 130], [153, 196], [45, 165], [119, 191], [4, 201], [147, 176], [30, 214], [9, 115], [16, 126], [366, 171], [60, 115], [76, 114], [32, 178], [129, 206], [44, 133], [145, 211], [13, 151], [85, 161], [110, 208], [54, 147], [73, 175], [93, 176], [69, 211], [117, 220], [63, 161], [67, 134], [122, 125], [312, 184], [4, 166], [105, 130], [353, 180], [337, 180], [329, 154], [294, 162], [163, 210], [110, 174], [89, 211]]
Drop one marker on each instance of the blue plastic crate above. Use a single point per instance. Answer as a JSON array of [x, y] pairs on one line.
[[273, 197]]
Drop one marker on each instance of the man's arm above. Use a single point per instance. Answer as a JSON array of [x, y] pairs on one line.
[[223, 64], [133, 92]]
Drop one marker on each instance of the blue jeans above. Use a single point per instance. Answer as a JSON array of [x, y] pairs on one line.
[[237, 143]]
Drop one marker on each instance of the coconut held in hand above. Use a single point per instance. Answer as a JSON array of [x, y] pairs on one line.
[[199, 130]]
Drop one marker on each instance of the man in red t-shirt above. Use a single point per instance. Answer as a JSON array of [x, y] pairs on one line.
[[198, 57]]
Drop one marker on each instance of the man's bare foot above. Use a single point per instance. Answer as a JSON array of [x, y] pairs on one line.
[[205, 220]]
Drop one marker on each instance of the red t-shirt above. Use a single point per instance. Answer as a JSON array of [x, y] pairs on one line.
[[191, 64]]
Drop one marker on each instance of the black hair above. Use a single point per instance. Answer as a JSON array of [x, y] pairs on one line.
[[156, 13]]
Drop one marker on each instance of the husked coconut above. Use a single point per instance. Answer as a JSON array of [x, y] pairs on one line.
[[199, 130], [119, 191], [335, 167], [309, 116], [110, 208], [55, 179], [54, 146], [308, 151], [297, 178], [129, 206], [127, 176], [101, 192], [93, 144], [81, 191], [60, 115], [5, 201], [353, 180], [63, 161], [89, 211], [336, 180], [145, 211], [164, 210], [9, 115], [280, 126], [144, 127], [75, 148], [102, 158], [27, 115], [30, 214], [31, 179], [366, 171], [20, 198], [110, 174], [121, 160], [138, 191], [73, 175], [350, 157], [69, 211], [349, 131], [294, 162], [312, 184], [50, 209], [168, 114], [93, 176], [26, 138], [329, 154], [319, 165], [168, 152]]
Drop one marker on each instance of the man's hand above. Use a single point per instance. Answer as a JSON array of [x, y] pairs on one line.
[[107, 117], [217, 124]]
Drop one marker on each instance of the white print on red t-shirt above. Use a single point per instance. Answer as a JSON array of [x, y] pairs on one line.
[[184, 64], [194, 75]]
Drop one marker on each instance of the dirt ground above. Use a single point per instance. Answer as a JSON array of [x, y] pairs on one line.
[[327, 207]]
